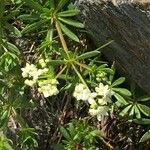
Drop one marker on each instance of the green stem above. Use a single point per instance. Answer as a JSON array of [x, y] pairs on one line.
[[79, 75], [83, 65], [63, 42], [61, 71], [50, 34]]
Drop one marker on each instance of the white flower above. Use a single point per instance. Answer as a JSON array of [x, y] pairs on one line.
[[91, 98], [102, 89], [29, 70], [105, 92], [30, 82], [81, 92], [47, 88], [100, 111], [102, 101]]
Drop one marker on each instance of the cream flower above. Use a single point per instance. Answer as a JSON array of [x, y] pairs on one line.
[[30, 82], [102, 101], [91, 98], [47, 88], [81, 92], [102, 89], [28, 70], [100, 112], [105, 92]]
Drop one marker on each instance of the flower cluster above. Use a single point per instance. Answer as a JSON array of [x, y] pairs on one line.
[[48, 87], [101, 76], [33, 75], [98, 100]]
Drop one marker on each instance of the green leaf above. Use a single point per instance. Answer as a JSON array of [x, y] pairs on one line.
[[145, 137], [23, 103], [61, 4], [11, 47], [33, 26], [111, 77], [11, 15], [63, 54], [144, 109], [56, 62], [122, 91], [69, 13], [142, 121], [125, 110], [21, 121], [72, 22], [65, 133], [72, 130], [28, 17], [131, 112], [58, 147], [4, 118], [13, 29], [69, 33], [104, 45], [88, 55], [144, 98], [16, 32], [52, 4], [120, 98], [118, 81], [137, 112], [108, 70], [33, 4]]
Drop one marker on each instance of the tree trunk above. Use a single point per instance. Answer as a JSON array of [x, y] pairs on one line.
[[127, 22]]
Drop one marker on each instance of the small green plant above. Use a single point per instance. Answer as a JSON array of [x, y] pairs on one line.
[[80, 135], [5, 144]]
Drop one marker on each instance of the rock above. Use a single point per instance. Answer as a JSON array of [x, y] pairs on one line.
[[127, 22]]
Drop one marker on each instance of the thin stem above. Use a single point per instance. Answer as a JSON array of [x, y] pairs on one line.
[[63, 42], [110, 146], [61, 71], [83, 65], [79, 75]]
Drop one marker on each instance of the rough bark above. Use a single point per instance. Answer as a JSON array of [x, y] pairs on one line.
[[127, 22]]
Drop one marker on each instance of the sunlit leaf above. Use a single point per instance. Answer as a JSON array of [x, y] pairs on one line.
[[122, 91], [61, 4], [144, 109], [33, 26], [142, 121], [69, 33], [72, 22], [33, 4], [144, 98], [137, 112], [88, 55], [65, 133], [56, 62], [145, 137], [118, 81], [120, 98], [69, 13], [28, 17], [125, 110]]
